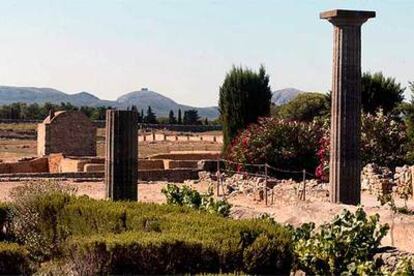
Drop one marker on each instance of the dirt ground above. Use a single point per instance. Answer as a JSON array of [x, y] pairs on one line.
[[283, 211], [19, 140]]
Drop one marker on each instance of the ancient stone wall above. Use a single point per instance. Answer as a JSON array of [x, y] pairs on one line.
[[36, 165], [67, 132]]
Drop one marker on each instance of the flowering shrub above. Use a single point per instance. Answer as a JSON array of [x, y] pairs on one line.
[[384, 142], [292, 145], [283, 144]]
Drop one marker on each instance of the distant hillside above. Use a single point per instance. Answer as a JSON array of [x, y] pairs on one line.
[[160, 104], [283, 96]]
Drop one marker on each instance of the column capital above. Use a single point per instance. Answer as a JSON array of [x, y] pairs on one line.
[[347, 17]]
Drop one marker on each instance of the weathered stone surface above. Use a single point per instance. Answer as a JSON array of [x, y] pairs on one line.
[[376, 180], [66, 132], [345, 164], [121, 155]]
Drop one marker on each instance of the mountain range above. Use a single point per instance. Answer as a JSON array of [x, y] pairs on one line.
[[143, 98]]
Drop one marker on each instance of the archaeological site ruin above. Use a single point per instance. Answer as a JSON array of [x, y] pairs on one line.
[[316, 185]]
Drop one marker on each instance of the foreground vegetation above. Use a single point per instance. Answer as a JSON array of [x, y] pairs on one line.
[[90, 236], [50, 231]]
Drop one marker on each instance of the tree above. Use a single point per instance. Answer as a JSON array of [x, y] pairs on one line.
[[304, 107], [180, 120], [150, 118], [171, 118], [191, 117], [244, 97], [380, 92], [206, 121]]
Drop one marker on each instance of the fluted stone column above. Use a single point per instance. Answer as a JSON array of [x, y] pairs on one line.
[[121, 155], [345, 163]]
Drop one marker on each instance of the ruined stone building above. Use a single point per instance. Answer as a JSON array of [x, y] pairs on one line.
[[67, 132]]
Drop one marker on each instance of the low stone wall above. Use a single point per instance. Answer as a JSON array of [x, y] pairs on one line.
[[25, 166], [94, 168], [145, 164], [175, 175], [62, 164], [380, 180], [187, 155], [389, 257], [180, 164], [376, 180]]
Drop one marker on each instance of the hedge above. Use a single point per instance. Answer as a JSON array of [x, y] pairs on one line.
[[4, 219], [14, 259], [100, 236]]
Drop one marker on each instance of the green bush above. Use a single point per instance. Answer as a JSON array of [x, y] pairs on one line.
[[197, 250], [4, 220], [185, 196], [117, 237], [14, 259], [347, 244]]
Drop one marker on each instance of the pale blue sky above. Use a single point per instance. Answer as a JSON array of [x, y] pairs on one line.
[[183, 48]]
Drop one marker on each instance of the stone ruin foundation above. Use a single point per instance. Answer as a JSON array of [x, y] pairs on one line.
[[67, 132]]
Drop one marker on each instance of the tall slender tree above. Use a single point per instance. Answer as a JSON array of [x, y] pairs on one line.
[[180, 119], [245, 96], [171, 118]]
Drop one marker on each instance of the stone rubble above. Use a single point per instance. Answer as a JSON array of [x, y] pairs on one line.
[[254, 186], [380, 180], [376, 180]]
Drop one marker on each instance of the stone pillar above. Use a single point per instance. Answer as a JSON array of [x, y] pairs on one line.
[[121, 155], [345, 164]]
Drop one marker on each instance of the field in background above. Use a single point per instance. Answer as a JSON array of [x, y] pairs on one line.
[[19, 141]]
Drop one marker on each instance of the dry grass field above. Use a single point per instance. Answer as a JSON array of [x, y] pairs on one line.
[[19, 141]]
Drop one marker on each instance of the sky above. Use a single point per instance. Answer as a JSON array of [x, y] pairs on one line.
[[183, 48]]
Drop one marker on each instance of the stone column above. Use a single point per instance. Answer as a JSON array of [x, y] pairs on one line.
[[345, 164], [121, 155]]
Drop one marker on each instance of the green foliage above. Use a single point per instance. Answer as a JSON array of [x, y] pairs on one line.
[[244, 97], [171, 118], [283, 144], [304, 107], [380, 92], [191, 117], [97, 236], [17, 111], [346, 245], [14, 259], [384, 140], [185, 196], [150, 117], [35, 213], [214, 248], [179, 118], [4, 220]]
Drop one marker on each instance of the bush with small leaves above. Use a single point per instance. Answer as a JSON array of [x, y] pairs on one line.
[[346, 244], [185, 196]]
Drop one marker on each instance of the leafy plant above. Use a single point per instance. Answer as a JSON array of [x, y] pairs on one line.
[[185, 196], [288, 145], [344, 245]]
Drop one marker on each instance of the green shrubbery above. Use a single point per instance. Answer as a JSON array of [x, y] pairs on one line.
[[95, 236], [185, 196], [283, 144], [69, 234], [347, 244], [14, 259]]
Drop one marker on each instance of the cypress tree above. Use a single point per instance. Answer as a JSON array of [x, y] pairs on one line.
[[180, 119], [171, 118], [245, 96]]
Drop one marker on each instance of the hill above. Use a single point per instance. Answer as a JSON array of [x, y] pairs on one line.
[[160, 104], [283, 96]]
